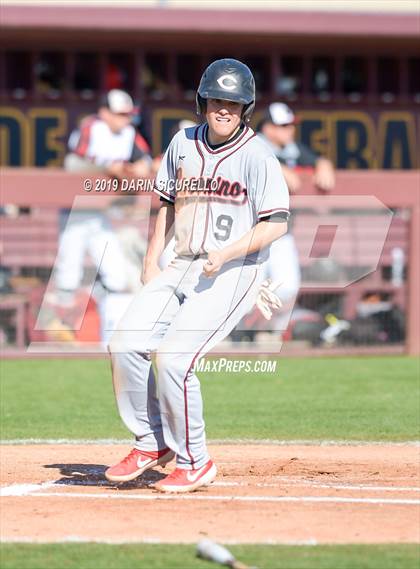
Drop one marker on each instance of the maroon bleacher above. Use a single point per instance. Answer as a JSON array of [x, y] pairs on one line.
[[29, 240]]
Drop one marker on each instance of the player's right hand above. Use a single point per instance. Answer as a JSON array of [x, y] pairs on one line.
[[116, 169], [213, 264], [324, 177]]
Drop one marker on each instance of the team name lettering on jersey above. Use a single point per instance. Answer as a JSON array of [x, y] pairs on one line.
[[219, 195]]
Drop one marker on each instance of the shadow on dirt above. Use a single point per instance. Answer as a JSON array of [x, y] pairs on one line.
[[93, 475]]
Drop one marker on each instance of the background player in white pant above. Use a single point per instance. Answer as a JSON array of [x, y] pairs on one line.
[[105, 143], [278, 129], [231, 202]]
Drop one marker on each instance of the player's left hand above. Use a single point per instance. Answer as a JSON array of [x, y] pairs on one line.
[[213, 264], [267, 300]]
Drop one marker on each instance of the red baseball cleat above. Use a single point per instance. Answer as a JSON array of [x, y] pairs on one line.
[[181, 480], [137, 462]]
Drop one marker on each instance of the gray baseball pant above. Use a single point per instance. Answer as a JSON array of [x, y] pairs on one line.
[[173, 321]]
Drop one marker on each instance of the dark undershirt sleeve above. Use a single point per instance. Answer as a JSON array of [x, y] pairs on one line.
[[278, 217], [165, 200], [137, 154]]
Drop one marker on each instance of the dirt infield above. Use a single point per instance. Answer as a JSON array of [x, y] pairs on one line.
[[264, 493]]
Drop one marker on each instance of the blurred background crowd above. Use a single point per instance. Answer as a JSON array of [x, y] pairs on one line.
[[99, 88]]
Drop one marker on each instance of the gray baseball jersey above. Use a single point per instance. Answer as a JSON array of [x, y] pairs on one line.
[[220, 194]]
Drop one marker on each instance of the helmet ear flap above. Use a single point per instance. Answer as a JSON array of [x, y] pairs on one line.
[[247, 111], [200, 104]]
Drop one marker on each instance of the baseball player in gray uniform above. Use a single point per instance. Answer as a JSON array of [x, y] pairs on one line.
[[223, 191]]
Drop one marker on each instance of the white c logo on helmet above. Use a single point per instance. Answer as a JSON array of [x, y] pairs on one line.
[[227, 82]]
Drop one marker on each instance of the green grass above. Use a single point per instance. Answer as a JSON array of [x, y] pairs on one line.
[[345, 398], [96, 556], [314, 398]]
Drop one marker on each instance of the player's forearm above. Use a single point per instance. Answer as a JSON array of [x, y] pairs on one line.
[[141, 168], [293, 180], [324, 176], [161, 235], [259, 237]]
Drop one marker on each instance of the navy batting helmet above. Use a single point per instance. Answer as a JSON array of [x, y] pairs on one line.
[[230, 80]]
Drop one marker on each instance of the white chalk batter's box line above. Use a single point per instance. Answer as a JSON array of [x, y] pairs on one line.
[[29, 489], [36, 490], [288, 482], [227, 498]]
